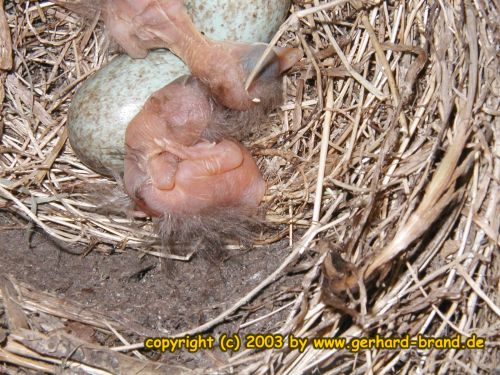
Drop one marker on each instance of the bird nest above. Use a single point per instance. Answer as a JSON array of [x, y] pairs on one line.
[[383, 172]]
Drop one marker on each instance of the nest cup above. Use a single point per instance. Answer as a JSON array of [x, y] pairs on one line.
[[382, 166]]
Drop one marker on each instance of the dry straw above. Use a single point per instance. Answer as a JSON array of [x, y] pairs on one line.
[[384, 159]]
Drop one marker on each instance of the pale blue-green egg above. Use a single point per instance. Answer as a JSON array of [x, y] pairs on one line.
[[105, 103], [245, 21]]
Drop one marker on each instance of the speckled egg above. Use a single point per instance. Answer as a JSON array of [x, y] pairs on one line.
[[245, 21], [105, 103]]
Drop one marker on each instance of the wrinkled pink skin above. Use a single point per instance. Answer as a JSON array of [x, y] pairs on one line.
[[170, 169], [141, 25]]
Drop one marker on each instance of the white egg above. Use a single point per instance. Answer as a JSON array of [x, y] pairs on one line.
[[105, 103]]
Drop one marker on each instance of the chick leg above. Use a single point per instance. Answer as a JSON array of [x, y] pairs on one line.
[[206, 159], [162, 169], [166, 24]]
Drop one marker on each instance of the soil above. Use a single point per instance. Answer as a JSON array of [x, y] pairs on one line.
[[163, 298]]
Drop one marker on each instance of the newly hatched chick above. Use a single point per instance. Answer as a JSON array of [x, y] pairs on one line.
[[141, 25], [180, 163], [170, 168], [194, 187]]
